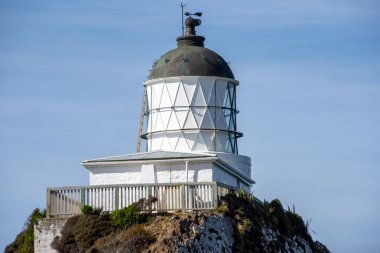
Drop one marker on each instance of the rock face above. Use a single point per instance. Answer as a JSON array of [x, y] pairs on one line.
[[44, 233], [263, 227], [215, 233], [295, 244], [203, 233], [194, 233], [239, 224]]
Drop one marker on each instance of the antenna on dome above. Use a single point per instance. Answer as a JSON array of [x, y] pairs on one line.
[[183, 28]]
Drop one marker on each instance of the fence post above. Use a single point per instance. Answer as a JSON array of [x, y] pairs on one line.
[[215, 194], [183, 198], [48, 205], [150, 196], [116, 198], [83, 196], [150, 191]]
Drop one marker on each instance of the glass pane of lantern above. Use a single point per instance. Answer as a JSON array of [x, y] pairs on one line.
[[165, 98], [181, 99], [172, 87], [220, 87], [198, 99]]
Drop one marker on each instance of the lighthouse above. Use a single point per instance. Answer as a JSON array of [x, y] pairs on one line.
[[191, 99], [191, 132]]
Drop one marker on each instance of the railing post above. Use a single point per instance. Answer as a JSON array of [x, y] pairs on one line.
[[215, 194], [48, 205], [83, 196], [150, 196], [183, 198], [150, 191], [116, 198]]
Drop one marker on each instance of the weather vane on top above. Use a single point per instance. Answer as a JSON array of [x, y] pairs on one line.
[[188, 14], [195, 14]]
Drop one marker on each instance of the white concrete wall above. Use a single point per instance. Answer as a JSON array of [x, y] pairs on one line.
[[222, 176], [239, 162], [44, 233], [122, 174], [246, 187], [172, 172], [165, 173]]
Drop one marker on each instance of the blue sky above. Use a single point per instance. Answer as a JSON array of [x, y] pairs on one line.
[[309, 72]]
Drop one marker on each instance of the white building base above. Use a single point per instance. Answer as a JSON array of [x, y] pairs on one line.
[[171, 167]]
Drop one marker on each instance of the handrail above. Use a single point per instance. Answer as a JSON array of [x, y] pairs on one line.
[[68, 200], [134, 185]]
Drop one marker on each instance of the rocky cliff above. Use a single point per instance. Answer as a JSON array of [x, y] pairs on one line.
[[240, 224]]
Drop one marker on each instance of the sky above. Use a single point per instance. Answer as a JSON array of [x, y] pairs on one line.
[[309, 99]]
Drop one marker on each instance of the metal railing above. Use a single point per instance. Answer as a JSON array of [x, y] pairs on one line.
[[67, 201]]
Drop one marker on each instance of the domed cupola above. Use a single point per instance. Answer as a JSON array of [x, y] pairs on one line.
[[190, 99], [191, 58]]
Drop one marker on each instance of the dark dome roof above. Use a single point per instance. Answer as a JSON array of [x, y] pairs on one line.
[[190, 58], [191, 61]]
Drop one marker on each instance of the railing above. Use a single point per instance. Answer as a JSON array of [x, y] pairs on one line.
[[66, 201]]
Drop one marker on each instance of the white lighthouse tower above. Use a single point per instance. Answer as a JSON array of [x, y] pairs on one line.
[[191, 132], [191, 95]]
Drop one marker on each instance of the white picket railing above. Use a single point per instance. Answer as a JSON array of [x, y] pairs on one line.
[[66, 201]]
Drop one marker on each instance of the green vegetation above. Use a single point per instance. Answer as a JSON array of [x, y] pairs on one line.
[[81, 232], [241, 193], [135, 239], [86, 209], [250, 214], [24, 242], [221, 209], [127, 216], [278, 218]]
